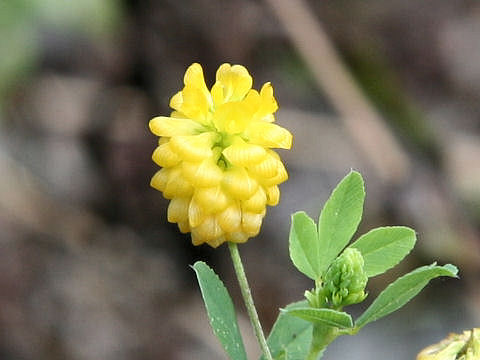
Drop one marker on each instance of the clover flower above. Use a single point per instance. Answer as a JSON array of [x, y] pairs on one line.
[[465, 346], [215, 150]]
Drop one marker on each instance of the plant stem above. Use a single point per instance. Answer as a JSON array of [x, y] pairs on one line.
[[247, 298], [321, 336]]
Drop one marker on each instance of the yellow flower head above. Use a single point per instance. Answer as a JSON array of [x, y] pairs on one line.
[[464, 346], [218, 168]]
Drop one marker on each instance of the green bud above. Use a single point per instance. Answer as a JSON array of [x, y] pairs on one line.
[[345, 280], [464, 346]]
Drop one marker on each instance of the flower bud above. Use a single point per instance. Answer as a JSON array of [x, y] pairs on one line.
[[345, 280], [464, 346]]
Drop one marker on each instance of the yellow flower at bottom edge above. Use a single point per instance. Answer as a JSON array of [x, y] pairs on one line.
[[218, 168], [465, 346]]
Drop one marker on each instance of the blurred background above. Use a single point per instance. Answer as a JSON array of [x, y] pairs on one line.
[[89, 267]]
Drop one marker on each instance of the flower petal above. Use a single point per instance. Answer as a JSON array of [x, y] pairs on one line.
[[230, 219], [267, 168], [184, 227], [263, 104], [213, 199], [280, 177], [217, 94], [194, 77], [177, 185], [241, 153], [196, 215], [238, 183], [255, 203], [159, 180], [178, 210], [168, 126], [236, 81], [203, 174], [268, 103], [232, 117], [195, 99], [237, 237], [208, 230], [178, 115], [269, 135], [273, 195], [251, 223], [195, 104], [217, 241], [176, 101], [163, 140], [194, 147], [164, 156]]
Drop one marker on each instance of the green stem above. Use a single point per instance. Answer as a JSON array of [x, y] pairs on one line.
[[322, 336], [247, 298]]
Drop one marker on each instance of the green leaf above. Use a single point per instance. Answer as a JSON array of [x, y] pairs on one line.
[[290, 337], [340, 217], [328, 317], [403, 290], [384, 247], [304, 246], [220, 311]]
